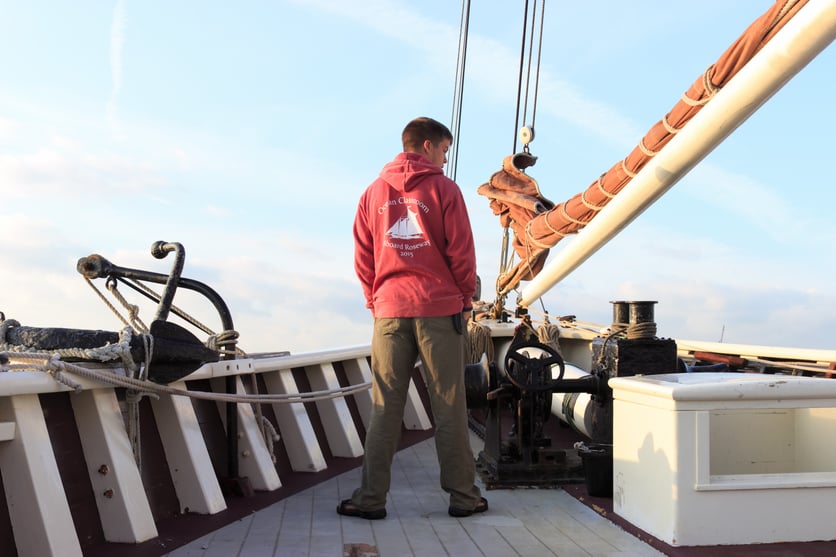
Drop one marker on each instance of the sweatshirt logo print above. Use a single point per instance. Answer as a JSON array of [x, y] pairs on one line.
[[407, 227]]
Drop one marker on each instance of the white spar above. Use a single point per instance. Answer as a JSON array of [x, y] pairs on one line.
[[803, 38]]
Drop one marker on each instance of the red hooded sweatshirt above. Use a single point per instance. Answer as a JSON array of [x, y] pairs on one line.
[[413, 246]]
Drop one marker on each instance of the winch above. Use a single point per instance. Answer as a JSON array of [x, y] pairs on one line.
[[518, 393]]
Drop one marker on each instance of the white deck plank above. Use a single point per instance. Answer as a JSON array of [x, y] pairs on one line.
[[262, 536], [522, 522], [390, 537], [228, 540], [295, 533], [488, 538]]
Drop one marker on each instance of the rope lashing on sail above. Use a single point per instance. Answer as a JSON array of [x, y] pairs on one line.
[[516, 198], [534, 236]]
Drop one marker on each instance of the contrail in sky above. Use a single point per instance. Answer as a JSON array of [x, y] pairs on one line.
[[117, 41]]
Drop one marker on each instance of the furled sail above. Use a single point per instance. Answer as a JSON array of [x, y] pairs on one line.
[[538, 231], [516, 199]]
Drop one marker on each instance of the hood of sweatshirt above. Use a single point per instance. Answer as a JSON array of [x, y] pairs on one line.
[[408, 170]]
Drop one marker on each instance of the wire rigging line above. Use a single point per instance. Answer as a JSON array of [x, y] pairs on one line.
[[520, 77], [458, 92], [539, 53], [525, 71], [528, 61]]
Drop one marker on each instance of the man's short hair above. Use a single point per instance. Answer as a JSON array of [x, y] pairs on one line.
[[422, 129]]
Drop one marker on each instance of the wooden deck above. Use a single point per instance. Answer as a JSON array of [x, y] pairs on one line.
[[535, 522], [63, 496]]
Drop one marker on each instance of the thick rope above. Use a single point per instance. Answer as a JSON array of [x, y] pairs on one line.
[[549, 334], [479, 342], [633, 331], [134, 396], [259, 417], [139, 386], [271, 437], [107, 302], [133, 310], [104, 353], [113, 379]]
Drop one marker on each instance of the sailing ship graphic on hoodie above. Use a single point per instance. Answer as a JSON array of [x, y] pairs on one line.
[[407, 227]]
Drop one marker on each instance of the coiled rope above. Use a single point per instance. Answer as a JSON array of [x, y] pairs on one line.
[[479, 342], [633, 331], [549, 334]]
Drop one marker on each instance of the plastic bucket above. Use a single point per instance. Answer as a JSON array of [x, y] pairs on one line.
[[597, 469]]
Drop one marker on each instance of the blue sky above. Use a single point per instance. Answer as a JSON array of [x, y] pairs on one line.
[[248, 131]]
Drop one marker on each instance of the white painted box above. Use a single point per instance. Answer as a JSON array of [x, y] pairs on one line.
[[725, 458]]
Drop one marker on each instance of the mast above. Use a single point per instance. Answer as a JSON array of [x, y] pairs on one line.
[[803, 38]]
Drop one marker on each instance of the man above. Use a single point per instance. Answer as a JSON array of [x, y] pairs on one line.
[[415, 258]]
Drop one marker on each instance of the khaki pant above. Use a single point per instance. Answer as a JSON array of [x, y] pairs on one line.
[[396, 345]]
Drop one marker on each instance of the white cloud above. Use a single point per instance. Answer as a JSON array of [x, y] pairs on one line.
[[59, 168], [8, 129]]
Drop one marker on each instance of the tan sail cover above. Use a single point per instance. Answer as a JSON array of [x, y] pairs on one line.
[[537, 230], [516, 199]]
